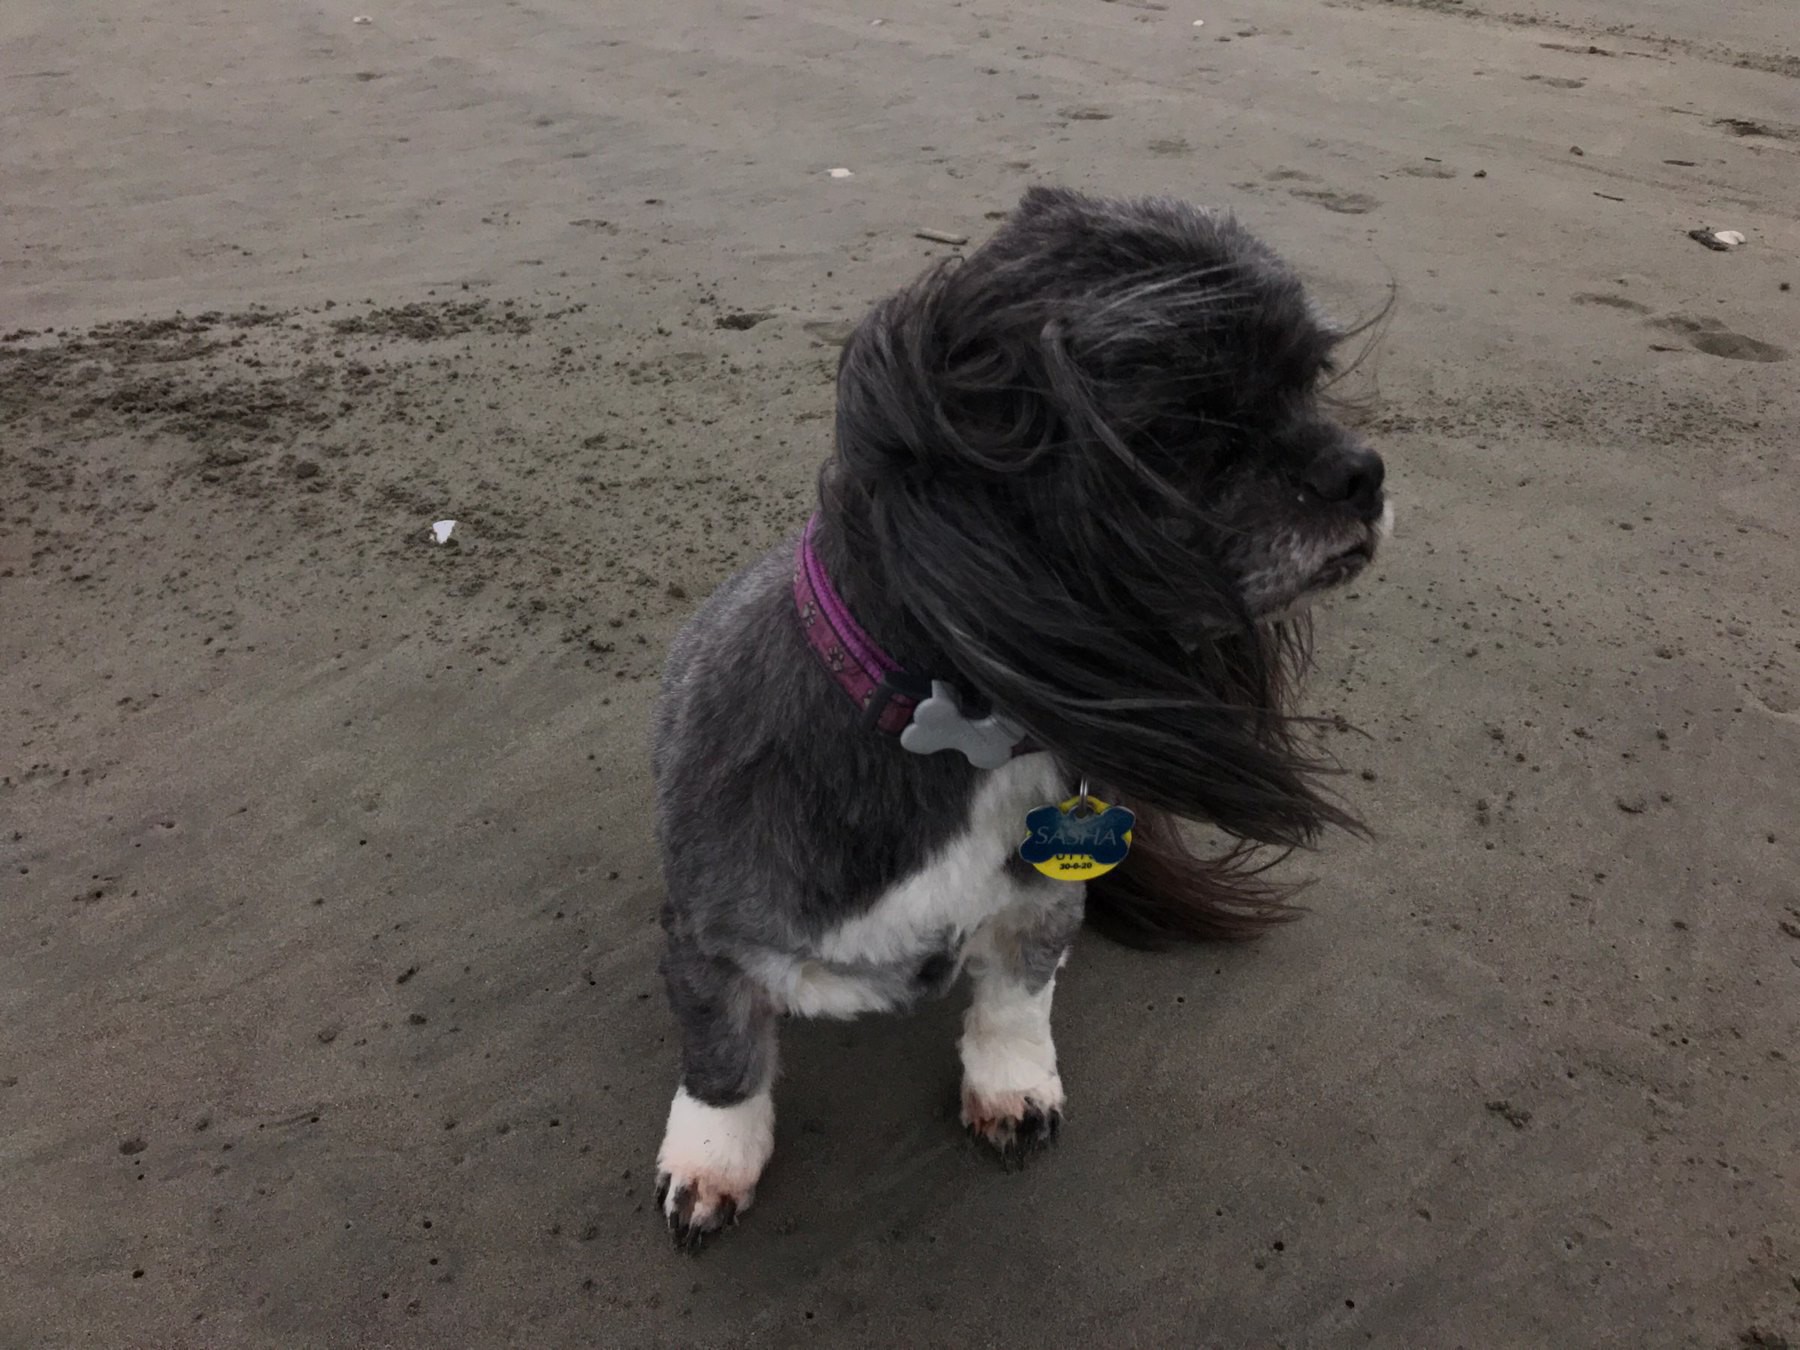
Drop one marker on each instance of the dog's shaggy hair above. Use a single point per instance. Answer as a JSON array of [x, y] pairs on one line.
[[1087, 477]]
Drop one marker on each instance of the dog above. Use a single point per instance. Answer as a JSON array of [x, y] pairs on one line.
[[1085, 482]]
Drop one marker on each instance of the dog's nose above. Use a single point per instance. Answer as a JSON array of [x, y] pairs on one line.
[[1352, 475]]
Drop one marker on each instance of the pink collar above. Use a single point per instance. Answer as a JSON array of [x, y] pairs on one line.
[[872, 678]]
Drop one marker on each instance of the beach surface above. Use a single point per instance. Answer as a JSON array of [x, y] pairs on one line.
[[329, 1013]]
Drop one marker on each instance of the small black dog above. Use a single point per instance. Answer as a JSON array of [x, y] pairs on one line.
[[1084, 482]]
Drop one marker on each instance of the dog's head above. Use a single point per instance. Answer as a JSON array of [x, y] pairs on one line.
[[1093, 461]]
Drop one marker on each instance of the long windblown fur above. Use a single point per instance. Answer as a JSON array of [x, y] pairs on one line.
[[1080, 478], [1034, 452]]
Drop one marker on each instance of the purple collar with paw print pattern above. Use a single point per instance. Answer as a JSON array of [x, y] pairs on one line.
[[925, 714], [872, 678]]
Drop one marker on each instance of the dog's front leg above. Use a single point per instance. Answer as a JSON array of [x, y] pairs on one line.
[[721, 1127], [1012, 1094]]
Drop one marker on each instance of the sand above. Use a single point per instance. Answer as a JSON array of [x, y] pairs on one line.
[[328, 1004]]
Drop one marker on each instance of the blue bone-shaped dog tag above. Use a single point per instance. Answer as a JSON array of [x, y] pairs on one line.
[[938, 723]]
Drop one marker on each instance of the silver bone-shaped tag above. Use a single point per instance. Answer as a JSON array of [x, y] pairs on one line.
[[939, 724]]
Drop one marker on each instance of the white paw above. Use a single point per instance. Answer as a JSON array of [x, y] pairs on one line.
[[1012, 1095], [709, 1163]]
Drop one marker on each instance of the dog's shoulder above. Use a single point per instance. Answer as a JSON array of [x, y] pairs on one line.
[[775, 803]]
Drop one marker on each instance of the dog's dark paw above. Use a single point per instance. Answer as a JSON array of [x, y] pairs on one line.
[[695, 1211], [1014, 1126]]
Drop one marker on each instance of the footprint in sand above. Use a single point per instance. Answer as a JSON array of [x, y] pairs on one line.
[[1610, 302], [1750, 126], [1715, 339], [1344, 203], [1703, 335]]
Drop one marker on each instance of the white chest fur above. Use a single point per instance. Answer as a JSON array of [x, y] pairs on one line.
[[960, 888]]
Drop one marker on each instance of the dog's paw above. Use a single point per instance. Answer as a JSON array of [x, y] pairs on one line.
[[709, 1164], [1014, 1124], [1012, 1095], [698, 1207]]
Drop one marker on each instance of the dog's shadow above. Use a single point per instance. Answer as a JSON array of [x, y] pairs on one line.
[[865, 1111], [870, 1146]]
